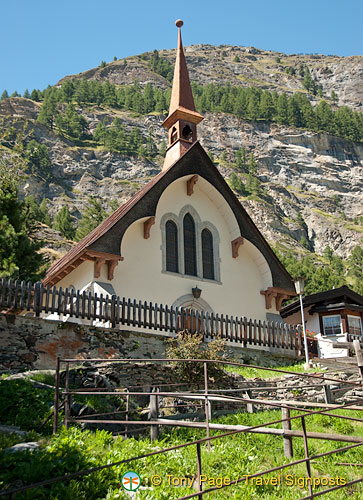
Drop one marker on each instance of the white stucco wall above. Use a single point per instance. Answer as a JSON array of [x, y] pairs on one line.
[[311, 321], [140, 275]]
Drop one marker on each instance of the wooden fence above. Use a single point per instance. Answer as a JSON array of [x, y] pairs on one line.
[[117, 312]]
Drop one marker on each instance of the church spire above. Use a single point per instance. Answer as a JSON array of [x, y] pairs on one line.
[[183, 118]]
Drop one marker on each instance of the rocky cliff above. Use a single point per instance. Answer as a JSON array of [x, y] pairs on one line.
[[312, 174]]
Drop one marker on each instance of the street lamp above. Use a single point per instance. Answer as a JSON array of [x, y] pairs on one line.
[[299, 287]]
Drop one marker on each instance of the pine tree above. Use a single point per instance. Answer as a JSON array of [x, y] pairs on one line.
[[63, 222], [35, 95], [26, 94], [48, 111], [45, 215], [18, 253], [240, 158], [38, 161], [91, 218], [308, 83], [4, 95]]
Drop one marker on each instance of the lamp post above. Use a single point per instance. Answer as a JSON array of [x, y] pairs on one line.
[[299, 287]]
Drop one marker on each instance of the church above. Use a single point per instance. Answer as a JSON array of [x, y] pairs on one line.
[[184, 239]]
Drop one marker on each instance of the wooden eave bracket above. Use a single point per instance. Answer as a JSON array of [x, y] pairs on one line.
[[147, 227], [280, 294], [235, 246], [101, 258], [190, 184]]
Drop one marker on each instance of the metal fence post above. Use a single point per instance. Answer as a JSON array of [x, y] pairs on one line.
[[327, 394], [127, 412], [153, 414], [56, 396], [199, 470], [286, 425], [66, 402], [206, 402], [308, 468]]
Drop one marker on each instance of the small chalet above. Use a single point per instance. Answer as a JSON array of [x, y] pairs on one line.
[[330, 316], [184, 239]]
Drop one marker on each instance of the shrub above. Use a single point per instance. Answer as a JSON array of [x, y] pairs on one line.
[[22, 404], [191, 346]]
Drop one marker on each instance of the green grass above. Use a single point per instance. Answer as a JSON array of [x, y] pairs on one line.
[[230, 457], [248, 372]]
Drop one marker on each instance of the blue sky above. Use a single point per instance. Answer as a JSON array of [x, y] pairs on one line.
[[42, 41]]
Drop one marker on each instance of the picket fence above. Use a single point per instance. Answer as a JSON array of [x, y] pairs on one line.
[[118, 312]]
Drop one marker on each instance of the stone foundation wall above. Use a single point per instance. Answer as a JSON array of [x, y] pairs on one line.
[[28, 343]]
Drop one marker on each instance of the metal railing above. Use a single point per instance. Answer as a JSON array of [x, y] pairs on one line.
[[286, 433]]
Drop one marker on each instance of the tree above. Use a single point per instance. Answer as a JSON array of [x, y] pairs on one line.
[[240, 158], [63, 222], [308, 83], [37, 156], [48, 111], [236, 59], [356, 262], [4, 95], [26, 94], [35, 95], [18, 253], [333, 96], [91, 218]]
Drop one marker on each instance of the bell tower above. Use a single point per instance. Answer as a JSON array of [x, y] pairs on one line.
[[183, 118]]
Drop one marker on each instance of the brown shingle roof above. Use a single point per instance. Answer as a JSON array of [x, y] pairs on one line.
[[99, 231]]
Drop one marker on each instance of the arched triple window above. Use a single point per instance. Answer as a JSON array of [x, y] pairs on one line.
[[207, 254], [190, 247], [171, 250], [190, 251]]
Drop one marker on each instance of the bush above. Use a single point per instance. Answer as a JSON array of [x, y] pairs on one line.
[[191, 346], [22, 404]]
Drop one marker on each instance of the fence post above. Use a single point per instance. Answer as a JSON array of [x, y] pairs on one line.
[[250, 407], [66, 403], [359, 354], [153, 414], [206, 402], [327, 394], [113, 311], [286, 425], [127, 412], [199, 470], [38, 298], [308, 468], [56, 396]]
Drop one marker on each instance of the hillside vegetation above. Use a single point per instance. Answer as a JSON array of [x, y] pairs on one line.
[[289, 150]]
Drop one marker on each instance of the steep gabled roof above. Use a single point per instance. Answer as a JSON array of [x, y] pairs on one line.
[[107, 237]]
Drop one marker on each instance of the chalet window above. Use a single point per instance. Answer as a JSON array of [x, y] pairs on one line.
[[332, 325], [207, 254], [354, 325], [190, 253], [171, 237]]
